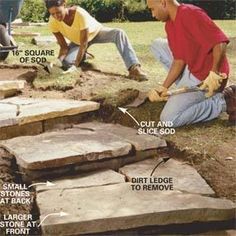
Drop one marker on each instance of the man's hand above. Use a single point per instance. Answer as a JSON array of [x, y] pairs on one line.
[[212, 83], [158, 95]]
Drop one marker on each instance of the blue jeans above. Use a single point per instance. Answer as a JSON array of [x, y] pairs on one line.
[[186, 108], [107, 35]]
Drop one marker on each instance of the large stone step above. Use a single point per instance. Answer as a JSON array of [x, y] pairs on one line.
[[98, 208], [18, 114], [89, 146]]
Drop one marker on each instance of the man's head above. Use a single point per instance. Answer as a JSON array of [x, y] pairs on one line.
[[56, 8], [159, 9]]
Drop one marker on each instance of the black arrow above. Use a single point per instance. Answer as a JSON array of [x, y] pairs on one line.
[[164, 160]]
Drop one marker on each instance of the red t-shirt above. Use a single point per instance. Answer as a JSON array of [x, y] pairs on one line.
[[192, 37]]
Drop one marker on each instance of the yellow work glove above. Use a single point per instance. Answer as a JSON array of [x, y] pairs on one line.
[[158, 95], [212, 83]]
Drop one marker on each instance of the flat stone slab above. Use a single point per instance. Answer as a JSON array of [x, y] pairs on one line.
[[91, 179], [44, 40], [26, 34], [19, 110], [185, 177], [140, 142], [9, 85], [117, 207], [10, 88], [77, 145], [55, 149], [87, 167]]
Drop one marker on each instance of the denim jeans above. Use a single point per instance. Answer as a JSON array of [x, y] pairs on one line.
[[107, 35], [186, 108]]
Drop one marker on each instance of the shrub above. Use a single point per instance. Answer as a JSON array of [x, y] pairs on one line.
[[136, 10], [102, 10], [33, 11], [133, 10]]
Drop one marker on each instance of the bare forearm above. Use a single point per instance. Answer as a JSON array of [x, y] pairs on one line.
[[174, 73], [81, 53], [84, 35], [219, 52], [62, 53], [63, 45]]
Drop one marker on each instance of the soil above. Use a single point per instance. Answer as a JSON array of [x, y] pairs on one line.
[[218, 171], [10, 174]]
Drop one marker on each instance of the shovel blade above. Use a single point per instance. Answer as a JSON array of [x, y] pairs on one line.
[[141, 99]]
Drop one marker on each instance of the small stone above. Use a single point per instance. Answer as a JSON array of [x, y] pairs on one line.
[[91, 179], [10, 88], [44, 40]]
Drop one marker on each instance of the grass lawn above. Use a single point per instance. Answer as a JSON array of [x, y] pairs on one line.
[[141, 35]]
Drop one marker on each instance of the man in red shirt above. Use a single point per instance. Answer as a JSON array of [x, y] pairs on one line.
[[194, 55]]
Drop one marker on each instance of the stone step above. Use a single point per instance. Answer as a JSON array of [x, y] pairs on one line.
[[86, 180], [10, 88], [185, 178], [81, 144], [140, 142], [17, 112], [85, 167], [118, 207], [32, 110]]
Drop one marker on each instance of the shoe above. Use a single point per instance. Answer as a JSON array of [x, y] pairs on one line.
[[136, 73], [230, 98], [88, 66]]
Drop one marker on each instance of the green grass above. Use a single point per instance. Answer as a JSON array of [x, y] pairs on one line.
[[106, 56]]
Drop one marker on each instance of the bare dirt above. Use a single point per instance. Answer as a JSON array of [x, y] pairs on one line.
[[10, 174]]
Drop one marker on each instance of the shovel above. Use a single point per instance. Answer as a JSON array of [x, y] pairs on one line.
[[143, 97]]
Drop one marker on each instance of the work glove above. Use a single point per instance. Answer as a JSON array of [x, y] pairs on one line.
[[158, 95], [212, 83], [57, 62], [71, 70]]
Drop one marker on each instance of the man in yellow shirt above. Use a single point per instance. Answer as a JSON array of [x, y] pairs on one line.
[[77, 25]]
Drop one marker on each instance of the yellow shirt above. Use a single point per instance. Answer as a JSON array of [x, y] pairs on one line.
[[83, 20]]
